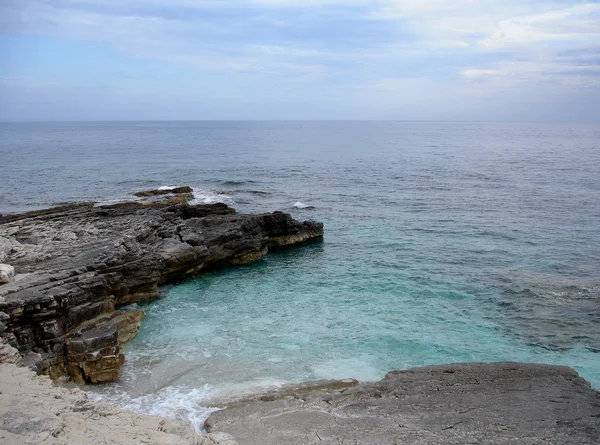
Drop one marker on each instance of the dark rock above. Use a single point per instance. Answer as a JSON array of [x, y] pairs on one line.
[[165, 197], [158, 192], [77, 263], [491, 403]]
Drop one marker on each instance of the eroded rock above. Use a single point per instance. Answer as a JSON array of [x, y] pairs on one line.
[[77, 263]]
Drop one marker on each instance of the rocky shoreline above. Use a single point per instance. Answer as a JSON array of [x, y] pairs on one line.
[[468, 403], [70, 271], [76, 265], [464, 403]]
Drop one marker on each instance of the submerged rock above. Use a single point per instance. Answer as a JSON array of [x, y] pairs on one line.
[[77, 263], [491, 403]]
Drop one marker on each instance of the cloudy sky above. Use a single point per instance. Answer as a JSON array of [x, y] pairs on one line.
[[508, 60]]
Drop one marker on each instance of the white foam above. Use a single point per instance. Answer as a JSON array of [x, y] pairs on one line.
[[210, 197], [167, 187], [301, 205], [172, 402]]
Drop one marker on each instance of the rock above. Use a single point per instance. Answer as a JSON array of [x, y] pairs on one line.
[[492, 403], [33, 411], [8, 354], [295, 390], [158, 192], [93, 348], [171, 196], [78, 263], [7, 273], [93, 353]]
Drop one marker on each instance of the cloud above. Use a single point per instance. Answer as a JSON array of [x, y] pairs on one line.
[[360, 47], [573, 25], [474, 73], [547, 47]]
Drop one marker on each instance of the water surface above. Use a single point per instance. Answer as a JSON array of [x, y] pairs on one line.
[[445, 242]]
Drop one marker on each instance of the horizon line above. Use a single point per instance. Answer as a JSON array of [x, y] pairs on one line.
[[108, 121]]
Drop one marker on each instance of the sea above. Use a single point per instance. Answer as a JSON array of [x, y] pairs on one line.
[[444, 242]]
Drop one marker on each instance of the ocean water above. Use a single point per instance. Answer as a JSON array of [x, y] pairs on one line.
[[444, 242]]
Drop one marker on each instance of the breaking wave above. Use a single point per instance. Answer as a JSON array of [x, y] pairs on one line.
[[301, 205]]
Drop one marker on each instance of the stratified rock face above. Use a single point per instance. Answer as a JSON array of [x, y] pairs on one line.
[[478, 403], [77, 263]]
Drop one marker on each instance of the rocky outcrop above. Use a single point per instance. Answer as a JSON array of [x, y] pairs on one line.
[[167, 196], [165, 191], [491, 403], [78, 264]]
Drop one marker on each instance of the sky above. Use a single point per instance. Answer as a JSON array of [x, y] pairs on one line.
[[457, 60]]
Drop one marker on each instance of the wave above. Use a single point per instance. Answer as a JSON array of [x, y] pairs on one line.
[[252, 192], [202, 196], [238, 183], [301, 205], [172, 402]]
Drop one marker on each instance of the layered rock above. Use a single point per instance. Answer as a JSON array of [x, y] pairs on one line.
[[77, 264], [491, 403]]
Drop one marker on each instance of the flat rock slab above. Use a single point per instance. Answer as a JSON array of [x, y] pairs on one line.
[[470, 403]]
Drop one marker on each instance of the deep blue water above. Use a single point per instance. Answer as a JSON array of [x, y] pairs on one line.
[[445, 242]]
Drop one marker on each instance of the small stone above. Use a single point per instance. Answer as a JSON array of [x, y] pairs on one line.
[[7, 273]]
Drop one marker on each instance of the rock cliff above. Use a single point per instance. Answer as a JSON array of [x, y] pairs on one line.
[[76, 265]]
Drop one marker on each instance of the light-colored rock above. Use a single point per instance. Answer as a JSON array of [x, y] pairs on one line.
[[7, 273], [34, 411], [8, 354]]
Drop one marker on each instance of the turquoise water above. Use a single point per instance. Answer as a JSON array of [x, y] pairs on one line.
[[443, 243]]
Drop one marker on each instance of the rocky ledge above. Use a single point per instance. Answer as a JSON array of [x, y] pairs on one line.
[[69, 269], [468, 403]]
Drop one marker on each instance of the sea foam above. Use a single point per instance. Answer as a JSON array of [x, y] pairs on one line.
[[172, 402], [301, 205], [202, 196]]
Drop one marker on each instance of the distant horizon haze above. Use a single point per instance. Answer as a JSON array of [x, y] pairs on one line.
[[442, 121]]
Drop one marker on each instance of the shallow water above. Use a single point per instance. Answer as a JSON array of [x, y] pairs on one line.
[[444, 243]]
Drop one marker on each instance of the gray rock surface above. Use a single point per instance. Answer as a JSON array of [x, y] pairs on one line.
[[78, 263], [470, 403]]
